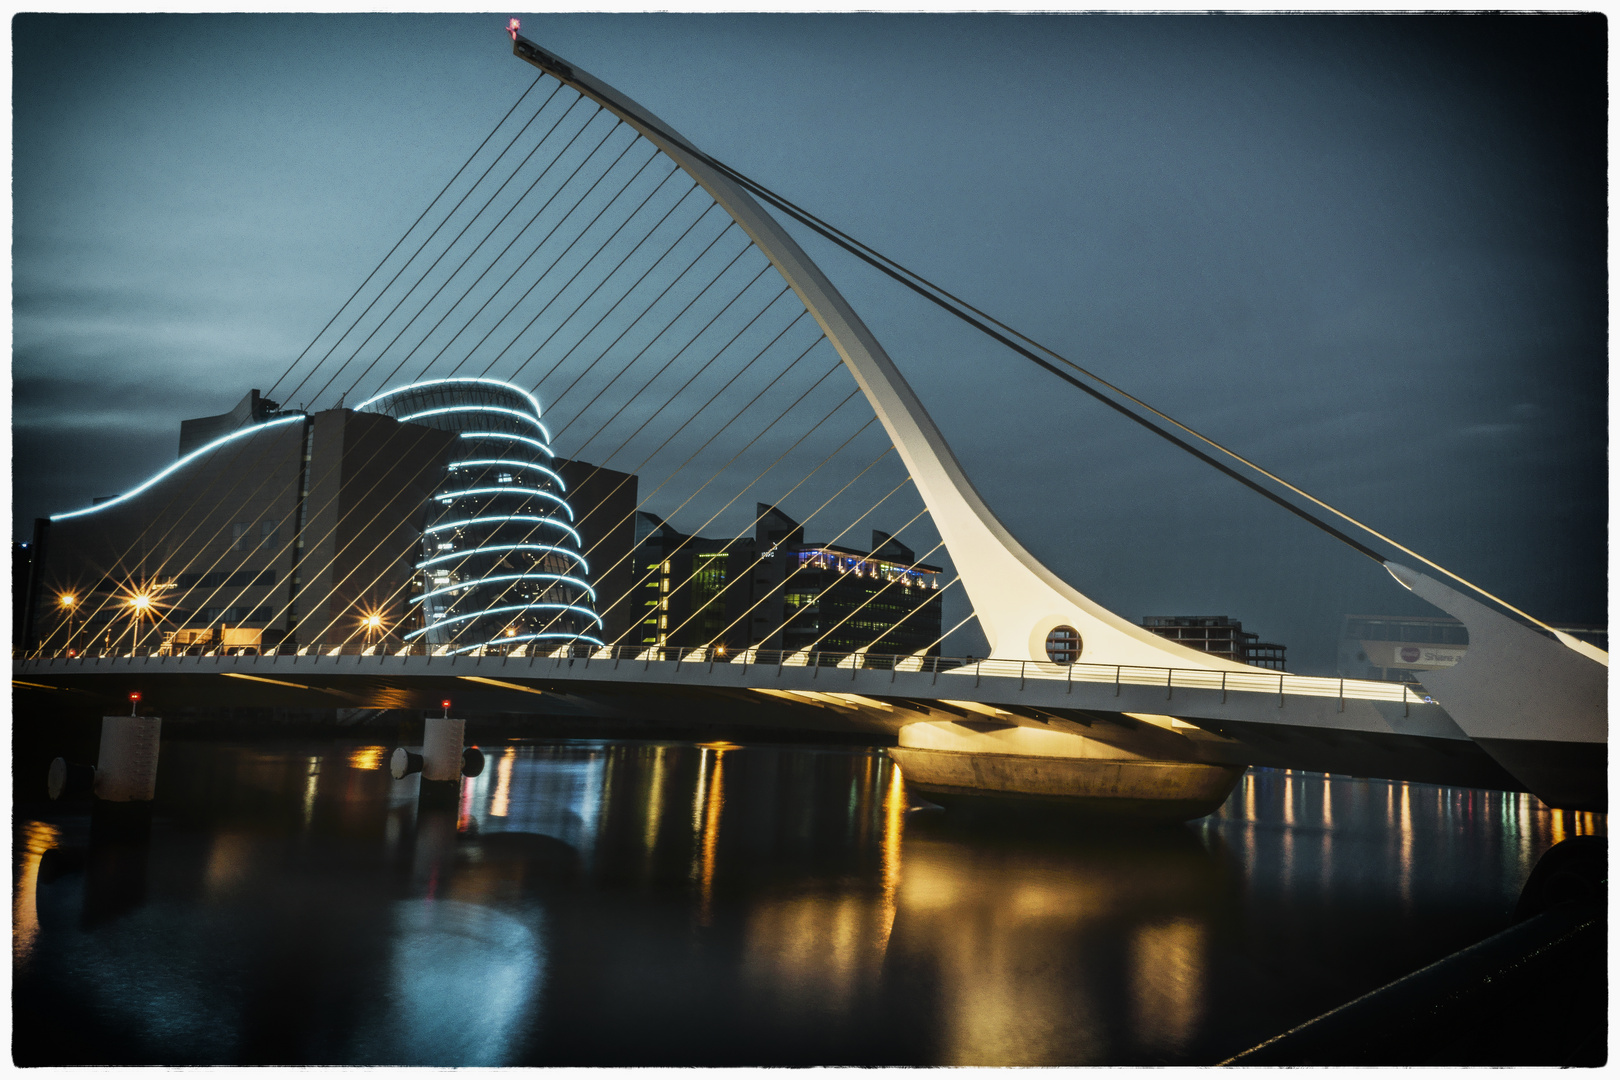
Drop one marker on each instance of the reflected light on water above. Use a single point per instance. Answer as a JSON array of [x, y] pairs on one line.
[[655, 800], [310, 784], [1166, 981], [592, 912], [37, 839], [501, 800], [230, 860], [462, 979], [367, 757], [894, 815], [711, 836]]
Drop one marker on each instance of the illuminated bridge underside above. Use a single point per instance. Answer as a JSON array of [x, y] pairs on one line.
[[1306, 726]]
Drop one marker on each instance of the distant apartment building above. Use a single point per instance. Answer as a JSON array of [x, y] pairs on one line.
[[774, 590], [1219, 636]]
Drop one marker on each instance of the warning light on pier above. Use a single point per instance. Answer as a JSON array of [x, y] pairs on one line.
[[512, 28]]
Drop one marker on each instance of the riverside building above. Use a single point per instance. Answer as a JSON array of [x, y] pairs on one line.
[[1219, 636], [432, 514], [775, 591]]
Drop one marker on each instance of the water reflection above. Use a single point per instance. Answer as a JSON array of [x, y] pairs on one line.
[[639, 903]]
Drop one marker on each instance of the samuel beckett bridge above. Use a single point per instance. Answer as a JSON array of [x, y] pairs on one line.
[[601, 403]]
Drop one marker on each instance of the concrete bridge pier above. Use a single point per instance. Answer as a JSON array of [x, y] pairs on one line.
[[1001, 764]]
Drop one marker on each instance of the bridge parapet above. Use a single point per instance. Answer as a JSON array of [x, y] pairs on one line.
[[672, 660]]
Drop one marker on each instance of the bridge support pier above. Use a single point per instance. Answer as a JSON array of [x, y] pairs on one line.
[[975, 763]]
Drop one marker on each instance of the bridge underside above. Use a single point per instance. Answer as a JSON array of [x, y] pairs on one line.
[[1355, 738]]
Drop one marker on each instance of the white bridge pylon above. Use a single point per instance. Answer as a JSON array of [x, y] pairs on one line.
[[1017, 600]]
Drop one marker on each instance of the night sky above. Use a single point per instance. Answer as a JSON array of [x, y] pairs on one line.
[[1368, 252]]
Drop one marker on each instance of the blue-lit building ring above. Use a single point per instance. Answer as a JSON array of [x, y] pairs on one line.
[[508, 491], [187, 459], [484, 581], [497, 520], [583, 612], [522, 639], [507, 436], [549, 549], [554, 477], [535, 420], [589, 592]]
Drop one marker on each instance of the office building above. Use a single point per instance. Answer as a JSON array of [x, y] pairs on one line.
[[775, 591], [1219, 636]]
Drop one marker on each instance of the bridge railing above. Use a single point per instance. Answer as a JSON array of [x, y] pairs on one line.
[[1257, 681]]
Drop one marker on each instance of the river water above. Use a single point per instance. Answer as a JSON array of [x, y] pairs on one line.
[[669, 903]]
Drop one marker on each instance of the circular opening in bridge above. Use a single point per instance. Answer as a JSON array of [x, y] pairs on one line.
[[1063, 645]]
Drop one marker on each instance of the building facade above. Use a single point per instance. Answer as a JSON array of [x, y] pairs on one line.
[[775, 591], [433, 513], [1219, 636]]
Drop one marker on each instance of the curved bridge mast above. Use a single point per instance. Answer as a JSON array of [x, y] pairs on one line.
[[1017, 600]]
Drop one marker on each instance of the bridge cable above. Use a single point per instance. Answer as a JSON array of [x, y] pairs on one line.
[[917, 283], [735, 578], [415, 223], [797, 569], [442, 223]]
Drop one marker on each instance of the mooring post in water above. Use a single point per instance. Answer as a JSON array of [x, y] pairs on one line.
[[441, 746], [443, 757], [126, 769]]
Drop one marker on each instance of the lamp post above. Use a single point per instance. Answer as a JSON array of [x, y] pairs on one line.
[[140, 606], [373, 625], [69, 603]]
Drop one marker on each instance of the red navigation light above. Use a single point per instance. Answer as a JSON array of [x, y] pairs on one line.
[[512, 28], [445, 703], [134, 701], [134, 695]]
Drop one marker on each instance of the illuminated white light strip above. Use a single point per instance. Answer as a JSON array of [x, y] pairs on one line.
[[515, 464], [508, 489], [475, 582], [193, 456], [505, 517], [535, 420], [536, 443], [528, 637], [470, 552], [597, 619], [453, 379]]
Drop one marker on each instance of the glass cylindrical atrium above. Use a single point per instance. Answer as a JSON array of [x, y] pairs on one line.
[[501, 567]]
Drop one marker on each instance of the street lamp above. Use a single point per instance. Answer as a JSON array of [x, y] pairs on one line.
[[69, 603], [140, 606], [372, 622]]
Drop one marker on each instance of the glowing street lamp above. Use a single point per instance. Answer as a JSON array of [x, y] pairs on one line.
[[373, 622], [141, 605], [69, 603]]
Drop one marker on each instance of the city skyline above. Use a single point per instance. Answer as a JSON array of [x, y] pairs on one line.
[[1359, 251]]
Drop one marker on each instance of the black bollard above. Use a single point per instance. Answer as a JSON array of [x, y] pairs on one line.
[[70, 779], [403, 763], [472, 761]]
